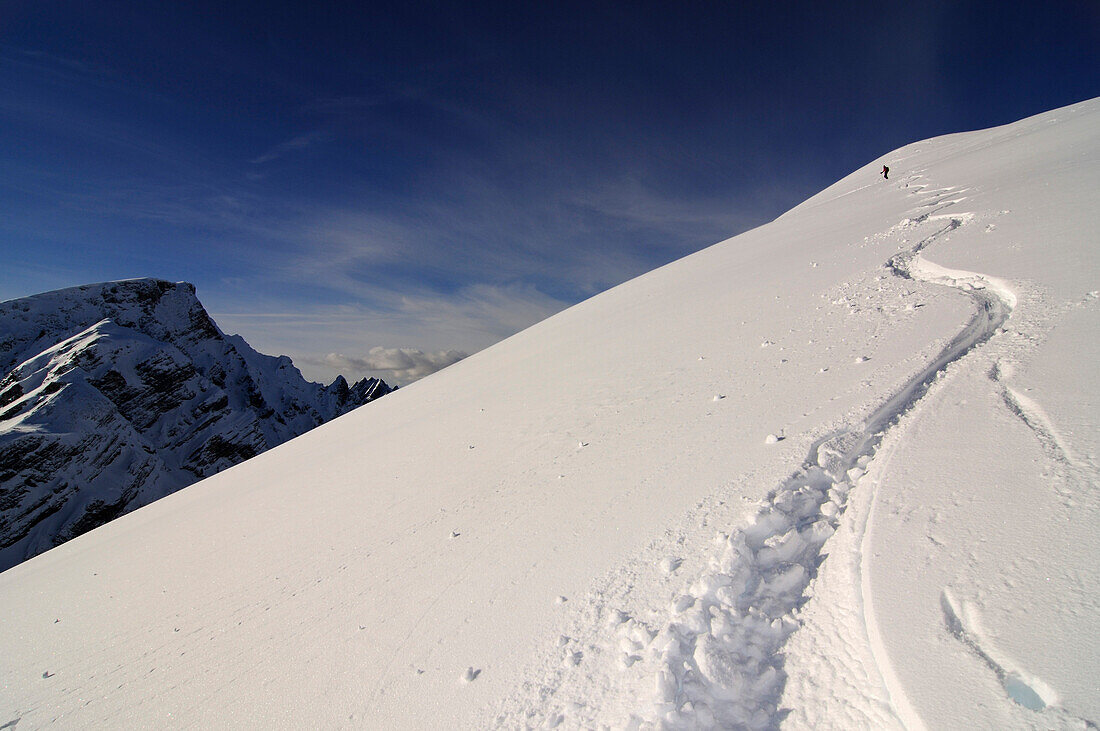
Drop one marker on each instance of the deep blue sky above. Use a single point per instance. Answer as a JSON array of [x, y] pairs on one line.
[[337, 177]]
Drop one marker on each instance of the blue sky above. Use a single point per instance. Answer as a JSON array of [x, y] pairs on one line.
[[377, 188]]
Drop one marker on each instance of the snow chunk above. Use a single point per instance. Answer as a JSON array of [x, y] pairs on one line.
[[669, 564]]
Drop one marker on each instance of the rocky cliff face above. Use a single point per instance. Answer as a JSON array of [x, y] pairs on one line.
[[114, 395]]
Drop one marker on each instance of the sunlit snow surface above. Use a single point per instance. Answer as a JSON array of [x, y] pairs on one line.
[[837, 472]]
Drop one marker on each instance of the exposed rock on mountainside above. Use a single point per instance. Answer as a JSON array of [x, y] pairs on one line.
[[116, 394]]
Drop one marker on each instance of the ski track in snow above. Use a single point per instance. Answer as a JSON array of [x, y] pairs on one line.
[[1069, 468], [963, 622], [1028, 692], [721, 660], [716, 659]]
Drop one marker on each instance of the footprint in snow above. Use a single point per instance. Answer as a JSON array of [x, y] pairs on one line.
[[670, 564], [470, 675]]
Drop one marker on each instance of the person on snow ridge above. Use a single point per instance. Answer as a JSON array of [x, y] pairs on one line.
[[885, 172]]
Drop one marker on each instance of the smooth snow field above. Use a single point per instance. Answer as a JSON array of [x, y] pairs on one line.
[[840, 471]]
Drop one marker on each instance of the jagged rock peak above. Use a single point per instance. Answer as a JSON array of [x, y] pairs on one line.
[[113, 395], [160, 309]]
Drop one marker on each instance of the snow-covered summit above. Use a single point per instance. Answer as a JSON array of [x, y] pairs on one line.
[[836, 472], [116, 394]]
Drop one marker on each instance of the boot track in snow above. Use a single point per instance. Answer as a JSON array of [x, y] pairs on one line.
[[719, 656]]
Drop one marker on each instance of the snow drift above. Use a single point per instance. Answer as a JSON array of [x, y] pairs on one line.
[[839, 471]]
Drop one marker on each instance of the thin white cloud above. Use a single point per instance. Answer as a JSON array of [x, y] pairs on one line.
[[395, 365], [300, 142], [428, 322], [53, 64]]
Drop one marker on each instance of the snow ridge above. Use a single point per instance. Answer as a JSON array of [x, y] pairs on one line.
[[481, 551]]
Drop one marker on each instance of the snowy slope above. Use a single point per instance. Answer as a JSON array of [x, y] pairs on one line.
[[839, 471], [114, 395]]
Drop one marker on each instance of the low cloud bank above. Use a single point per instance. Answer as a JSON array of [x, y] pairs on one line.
[[395, 365]]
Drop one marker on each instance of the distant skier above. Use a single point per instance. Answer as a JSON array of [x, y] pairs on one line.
[[885, 172]]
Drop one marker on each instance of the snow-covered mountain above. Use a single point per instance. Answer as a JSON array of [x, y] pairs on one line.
[[117, 394], [839, 471]]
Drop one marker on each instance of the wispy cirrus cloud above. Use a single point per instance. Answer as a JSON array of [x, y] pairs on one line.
[[299, 142], [54, 64], [432, 224]]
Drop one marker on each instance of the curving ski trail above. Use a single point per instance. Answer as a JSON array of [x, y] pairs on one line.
[[719, 657]]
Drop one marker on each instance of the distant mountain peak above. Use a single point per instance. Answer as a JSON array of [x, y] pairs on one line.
[[118, 393]]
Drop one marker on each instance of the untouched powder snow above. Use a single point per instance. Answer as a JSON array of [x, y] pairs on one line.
[[837, 472]]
